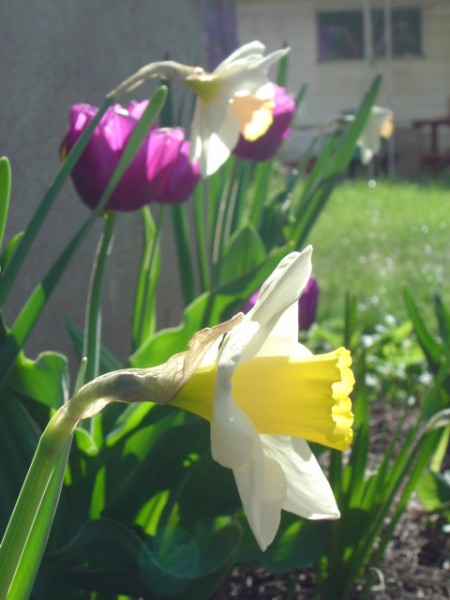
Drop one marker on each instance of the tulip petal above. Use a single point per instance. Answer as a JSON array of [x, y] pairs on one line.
[[308, 494]]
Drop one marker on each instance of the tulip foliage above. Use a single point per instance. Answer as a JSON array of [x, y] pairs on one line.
[[134, 504]]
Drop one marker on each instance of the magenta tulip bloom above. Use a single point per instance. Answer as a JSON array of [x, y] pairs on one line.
[[267, 145], [159, 172], [307, 304]]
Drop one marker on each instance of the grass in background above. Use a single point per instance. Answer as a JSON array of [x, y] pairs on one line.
[[376, 238]]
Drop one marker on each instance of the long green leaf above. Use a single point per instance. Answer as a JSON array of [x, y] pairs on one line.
[[30, 313], [30, 560], [5, 191], [9, 275]]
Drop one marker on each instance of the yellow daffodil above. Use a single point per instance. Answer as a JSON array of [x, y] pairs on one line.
[[265, 394], [380, 124], [236, 98]]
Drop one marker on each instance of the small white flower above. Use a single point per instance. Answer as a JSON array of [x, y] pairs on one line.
[[380, 124], [270, 394], [236, 98]]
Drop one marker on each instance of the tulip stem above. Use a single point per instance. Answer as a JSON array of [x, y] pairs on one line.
[[144, 311], [92, 335], [181, 229]]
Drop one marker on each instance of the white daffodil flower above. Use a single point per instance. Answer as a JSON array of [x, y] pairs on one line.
[[236, 98], [265, 394], [380, 124]]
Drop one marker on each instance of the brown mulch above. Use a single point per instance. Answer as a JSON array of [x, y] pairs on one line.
[[416, 565]]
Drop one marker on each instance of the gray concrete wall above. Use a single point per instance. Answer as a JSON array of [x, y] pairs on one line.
[[54, 53]]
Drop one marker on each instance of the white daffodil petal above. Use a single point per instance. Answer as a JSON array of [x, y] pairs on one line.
[[215, 132], [262, 488], [228, 421], [280, 291], [308, 494], [245, 73], [252, 49]]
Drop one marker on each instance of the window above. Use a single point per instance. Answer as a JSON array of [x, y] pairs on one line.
[[406, 32], [340, 34]]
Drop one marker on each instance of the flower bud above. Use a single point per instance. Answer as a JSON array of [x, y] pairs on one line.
[[159, 172]]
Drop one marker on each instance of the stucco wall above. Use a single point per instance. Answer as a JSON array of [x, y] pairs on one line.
[[54, 54]]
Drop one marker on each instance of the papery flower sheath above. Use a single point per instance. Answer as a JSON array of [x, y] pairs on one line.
[[160, 171], [266, 146], [235, 99], [269, 396]]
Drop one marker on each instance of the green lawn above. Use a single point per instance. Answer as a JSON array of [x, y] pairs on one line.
[[375, 241]]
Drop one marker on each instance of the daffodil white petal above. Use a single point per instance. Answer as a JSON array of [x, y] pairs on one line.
[[308, 493], [228, 421], [251, 49], [214, 134], [262, 488], [279, 292]]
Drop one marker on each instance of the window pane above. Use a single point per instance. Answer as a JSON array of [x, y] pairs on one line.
[[406, 32], [340, 35]]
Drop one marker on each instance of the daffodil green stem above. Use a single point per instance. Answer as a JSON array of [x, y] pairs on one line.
[[57, 434], [92, 339]]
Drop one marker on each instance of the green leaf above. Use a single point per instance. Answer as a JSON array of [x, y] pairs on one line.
[[108, 362], [206, 310], [5, 192], [298, 544], [30, 560], [330, 165], [283, 67], [9, 250], [432, 348], [44, 380], [243, 251], [433, 490], [35, 304], [109, 558], [443, 318]]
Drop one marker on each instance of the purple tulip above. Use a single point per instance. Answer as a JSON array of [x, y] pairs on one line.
[[267, 145], [159, 172], [307, 304]]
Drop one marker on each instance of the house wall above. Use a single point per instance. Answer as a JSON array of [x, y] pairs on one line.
[[52, 55], [414, 87]]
